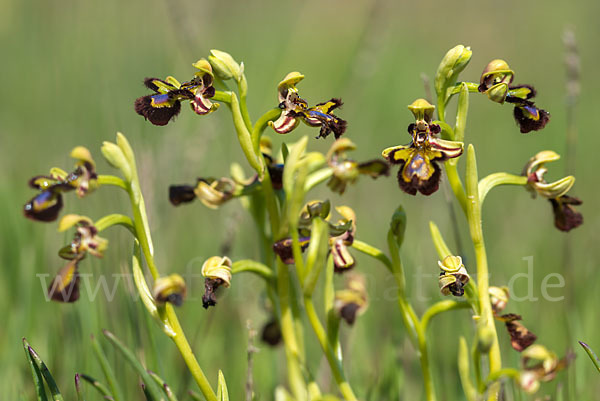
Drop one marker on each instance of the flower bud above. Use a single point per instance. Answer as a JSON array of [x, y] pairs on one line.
[[116, 158], [498, 298], [213, 193], [224, 66], [529, 382], [398, 225], [169, 289], [453, 63]]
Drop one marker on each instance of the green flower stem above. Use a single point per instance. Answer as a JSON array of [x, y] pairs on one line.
[[288, 320], [271, 203], [411, 321], [221, 96], [464, 370], [112, 180], [499, 374], [188, 355], [143, 235], [242, 85], [476, 357], [288, 333], [251, 266], [415, 328], [408, 316], [474, 218], [439, 307], [329, 351], [244, 137], [373, 252], [455, 90], [493, 180], [115, 219], [333, 319], [456, 185], [424, 359], [317, 177], [261, 124]]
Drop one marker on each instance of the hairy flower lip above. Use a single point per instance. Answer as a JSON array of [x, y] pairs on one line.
[[65, 285], [44, 207], [418, 168]]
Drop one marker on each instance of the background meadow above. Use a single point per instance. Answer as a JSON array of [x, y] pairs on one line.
[[70, 74]]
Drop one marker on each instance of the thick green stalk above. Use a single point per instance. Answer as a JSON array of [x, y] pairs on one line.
[[261, 124], [244, 137], [188, 355], [424, 359], [288, 332], [143, 235], [486, 326], [242, 85], [252, 266], [328, 350], [440, 307]]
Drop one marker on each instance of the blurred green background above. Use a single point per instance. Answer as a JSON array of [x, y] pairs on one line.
[[71, 71]]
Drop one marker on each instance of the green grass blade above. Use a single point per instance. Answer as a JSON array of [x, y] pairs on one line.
[[102, 389], [164, 386], [54, 391], [195, 396], [109, 374], [38, 381], [78, 389], [591, 354], [152, 389]]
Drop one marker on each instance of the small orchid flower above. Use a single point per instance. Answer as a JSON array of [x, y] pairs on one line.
[[47, 204], [419, 170], [165, 104], [565, 216], [294, 109], [495, 82]]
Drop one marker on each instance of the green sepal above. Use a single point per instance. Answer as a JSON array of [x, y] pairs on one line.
[[461, 115], [438, 241], [316, 255]]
